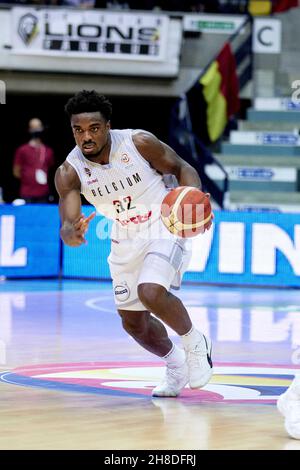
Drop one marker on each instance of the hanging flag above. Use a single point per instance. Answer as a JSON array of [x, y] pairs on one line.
[[283, 5], [260, 7], [214, 98]]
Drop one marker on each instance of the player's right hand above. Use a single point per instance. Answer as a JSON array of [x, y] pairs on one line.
[[74, 234]]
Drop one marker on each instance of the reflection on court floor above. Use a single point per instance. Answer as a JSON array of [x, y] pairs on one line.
[[62, 337], [246, 325]]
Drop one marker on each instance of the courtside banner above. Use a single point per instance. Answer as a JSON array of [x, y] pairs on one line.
[[29, 241], [241, 248], [89, 33], [90, 260], [249, 249]]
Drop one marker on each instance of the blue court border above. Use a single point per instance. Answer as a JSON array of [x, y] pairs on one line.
[[16, 379]]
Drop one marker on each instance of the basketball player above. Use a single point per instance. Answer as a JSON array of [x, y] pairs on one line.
[[120, 172], [289, 406]]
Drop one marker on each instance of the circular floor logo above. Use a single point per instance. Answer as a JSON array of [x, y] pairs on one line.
[[234, 382]]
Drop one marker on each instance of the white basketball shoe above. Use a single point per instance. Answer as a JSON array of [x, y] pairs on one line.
[[288, 405], [174, 381], [199, 362]]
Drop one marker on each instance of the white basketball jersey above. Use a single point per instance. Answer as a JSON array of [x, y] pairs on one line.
[[127, 189]]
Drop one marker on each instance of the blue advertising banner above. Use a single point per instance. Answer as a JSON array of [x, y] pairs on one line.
[[280, 138], [250, 249], [29, 241], [241, 248], [90, 260]]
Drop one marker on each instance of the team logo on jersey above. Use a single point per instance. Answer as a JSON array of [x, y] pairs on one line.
[[122, 291], [125, 158], [231, 382], [28, 28], [88, 172]]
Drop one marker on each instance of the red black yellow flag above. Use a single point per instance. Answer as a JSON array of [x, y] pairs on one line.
[[214, 98]]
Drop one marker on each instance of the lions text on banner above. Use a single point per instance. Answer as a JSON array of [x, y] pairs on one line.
[[116, 35]]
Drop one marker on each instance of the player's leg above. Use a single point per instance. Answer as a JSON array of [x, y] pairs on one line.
[[147, 330], [126, 261], [165, 306], [162, 265], [289, 406], [171, 311], [152, 335]]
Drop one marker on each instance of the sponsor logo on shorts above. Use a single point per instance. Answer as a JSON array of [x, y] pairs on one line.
[[122, 292]]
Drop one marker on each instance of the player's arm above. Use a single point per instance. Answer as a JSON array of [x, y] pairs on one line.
[[74, 223], [164, 159]]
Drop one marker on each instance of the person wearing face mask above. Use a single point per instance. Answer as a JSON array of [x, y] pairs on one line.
[[32, 162]]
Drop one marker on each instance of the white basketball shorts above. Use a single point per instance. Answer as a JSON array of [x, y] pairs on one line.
[[134, 262]]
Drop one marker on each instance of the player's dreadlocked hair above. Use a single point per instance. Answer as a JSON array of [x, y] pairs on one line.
[[89, 102]]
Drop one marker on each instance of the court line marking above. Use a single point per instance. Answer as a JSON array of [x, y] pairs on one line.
[[90, 303]]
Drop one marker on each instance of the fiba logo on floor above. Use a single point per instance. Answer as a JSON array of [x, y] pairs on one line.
[[232, 383]]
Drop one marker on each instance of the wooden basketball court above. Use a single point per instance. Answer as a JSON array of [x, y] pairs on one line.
[[71, 378]]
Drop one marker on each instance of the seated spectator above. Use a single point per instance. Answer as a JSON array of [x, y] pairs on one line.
[[78, 3], [113, 4], [207, 6], [144, 5], [210, 6], [174, 5]]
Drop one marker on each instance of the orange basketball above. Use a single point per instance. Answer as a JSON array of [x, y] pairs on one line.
[[186, 211]]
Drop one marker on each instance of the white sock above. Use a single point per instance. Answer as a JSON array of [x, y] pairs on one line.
[[176, 357], [191, 338]]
